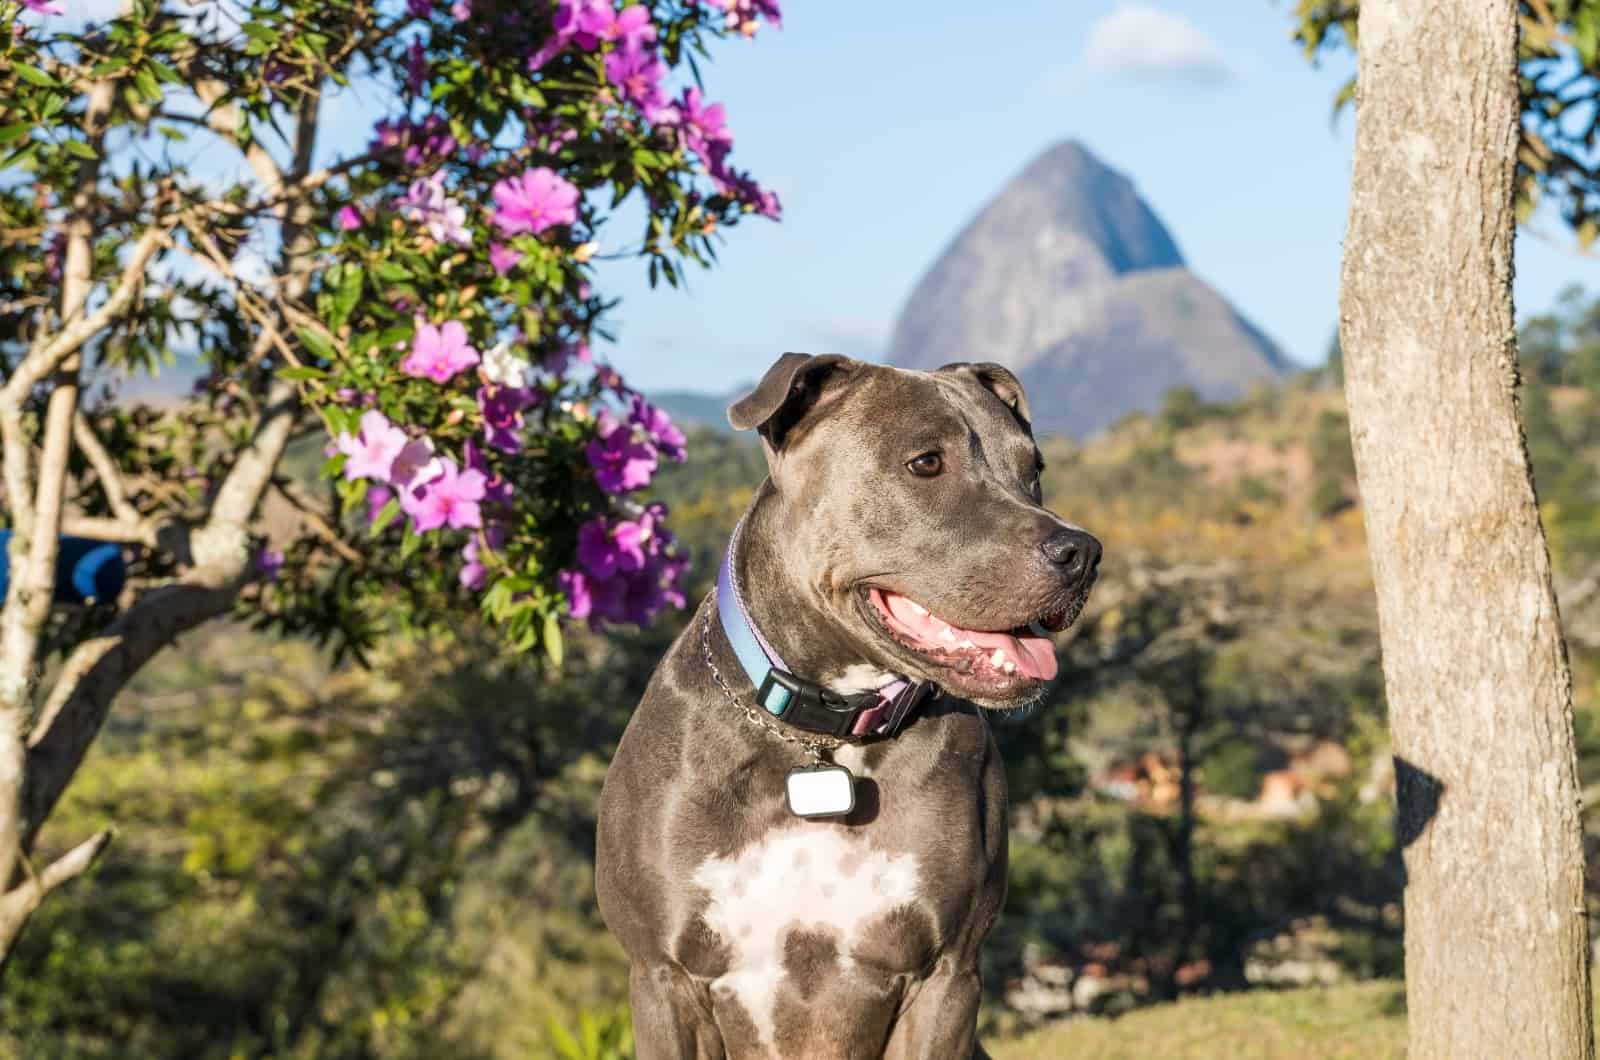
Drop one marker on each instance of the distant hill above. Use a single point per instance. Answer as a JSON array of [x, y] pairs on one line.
[[1070, 279], [690, 407]]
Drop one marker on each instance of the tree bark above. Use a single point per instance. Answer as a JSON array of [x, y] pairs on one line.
[[1479, 690]]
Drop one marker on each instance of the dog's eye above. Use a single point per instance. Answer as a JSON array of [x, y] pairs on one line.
[[926, 466]]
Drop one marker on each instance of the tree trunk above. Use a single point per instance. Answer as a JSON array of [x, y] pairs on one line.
[[1479, 690]]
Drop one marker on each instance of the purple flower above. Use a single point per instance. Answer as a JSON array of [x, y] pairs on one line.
[[416, 67], [439, 353], [473, 571], [503, 258], [638, 74], [580, 603], [629, 28], [45, 7], [557, 361], [55, 252], [536, 200], [451, 498], [415, 462], [496, 489], [621, 461], [627, 571], [604, 550], [377, 498], [704, 128], [426, 204], [502, 408], [371, 452], [663, 432], [419, 8], [349, 218], [269, 562]]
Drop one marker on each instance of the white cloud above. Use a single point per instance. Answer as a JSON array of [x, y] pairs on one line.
[[1144, 41]]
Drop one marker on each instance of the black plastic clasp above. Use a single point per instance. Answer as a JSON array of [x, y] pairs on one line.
[[808, 706]]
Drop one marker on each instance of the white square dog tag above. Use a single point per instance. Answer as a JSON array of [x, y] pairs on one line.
[[821, 791]]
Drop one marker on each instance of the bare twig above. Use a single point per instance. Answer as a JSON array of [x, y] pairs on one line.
[[49, 352], [18, 904], [140, 533], [319, 524], [105, 470]]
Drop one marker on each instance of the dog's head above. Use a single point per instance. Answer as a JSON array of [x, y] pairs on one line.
[[909, 508]]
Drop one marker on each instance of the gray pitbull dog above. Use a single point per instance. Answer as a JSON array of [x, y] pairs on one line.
[[899, 543]]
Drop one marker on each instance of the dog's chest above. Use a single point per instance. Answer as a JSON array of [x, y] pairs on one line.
[[811, 908]]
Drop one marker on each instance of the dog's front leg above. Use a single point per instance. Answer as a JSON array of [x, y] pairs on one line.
[[671, 1016], [941, 1022]]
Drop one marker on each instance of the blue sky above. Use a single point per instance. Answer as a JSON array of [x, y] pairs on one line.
[[884, 126]]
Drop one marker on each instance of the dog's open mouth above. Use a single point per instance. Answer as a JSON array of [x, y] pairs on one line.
[[1001, 658]]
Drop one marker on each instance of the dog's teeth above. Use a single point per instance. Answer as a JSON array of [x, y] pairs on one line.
[[917, 608], [967, 644], [1010, 667], [998, 658], [947, 634]]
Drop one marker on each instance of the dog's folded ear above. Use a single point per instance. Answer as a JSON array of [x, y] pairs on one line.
[[794, 386], [999, 381]]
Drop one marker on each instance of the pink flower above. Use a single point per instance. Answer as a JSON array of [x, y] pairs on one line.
[[638, 73], [426, 204], [503, 258], [449, 499], [371, 452], [439, 353], [45, 7], [349, 218], [704, 128], [629, 28], [536, 200]]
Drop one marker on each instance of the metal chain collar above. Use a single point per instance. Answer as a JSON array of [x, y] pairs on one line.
[[813, 745]]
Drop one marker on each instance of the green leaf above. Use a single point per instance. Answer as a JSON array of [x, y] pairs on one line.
[[316, 342], [79, 148], [409, 543], [35, 76], [345, 296], [385, 516], [301, 373], [391, 272], [553, 646], [146, 83], [9, 133], [166, 73]]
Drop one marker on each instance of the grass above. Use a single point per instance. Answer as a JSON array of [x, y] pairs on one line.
[[1362, 1021]]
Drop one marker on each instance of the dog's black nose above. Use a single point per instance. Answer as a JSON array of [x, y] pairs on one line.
[[1075, 552]]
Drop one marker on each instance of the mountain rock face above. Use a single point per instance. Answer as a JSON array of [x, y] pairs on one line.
[[1070, 280]]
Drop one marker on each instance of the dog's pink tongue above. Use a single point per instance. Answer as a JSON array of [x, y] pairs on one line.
[[1034, 656]]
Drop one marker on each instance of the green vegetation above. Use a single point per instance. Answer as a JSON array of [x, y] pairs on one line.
[[329, 862]]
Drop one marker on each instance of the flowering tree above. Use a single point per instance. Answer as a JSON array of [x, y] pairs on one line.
[[399, 417]]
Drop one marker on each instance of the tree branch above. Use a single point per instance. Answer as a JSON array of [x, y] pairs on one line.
[[17, 905], [98, 669], [47, 355], [105, 470]]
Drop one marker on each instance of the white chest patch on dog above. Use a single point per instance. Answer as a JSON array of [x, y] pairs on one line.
[[809, 876], [857, 677]]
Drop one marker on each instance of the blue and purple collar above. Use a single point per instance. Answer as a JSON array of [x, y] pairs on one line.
[[795, 701]]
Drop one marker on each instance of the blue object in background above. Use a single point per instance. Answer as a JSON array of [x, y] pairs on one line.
[[86, 570]]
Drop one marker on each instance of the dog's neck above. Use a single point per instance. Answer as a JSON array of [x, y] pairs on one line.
[[803, 628]]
